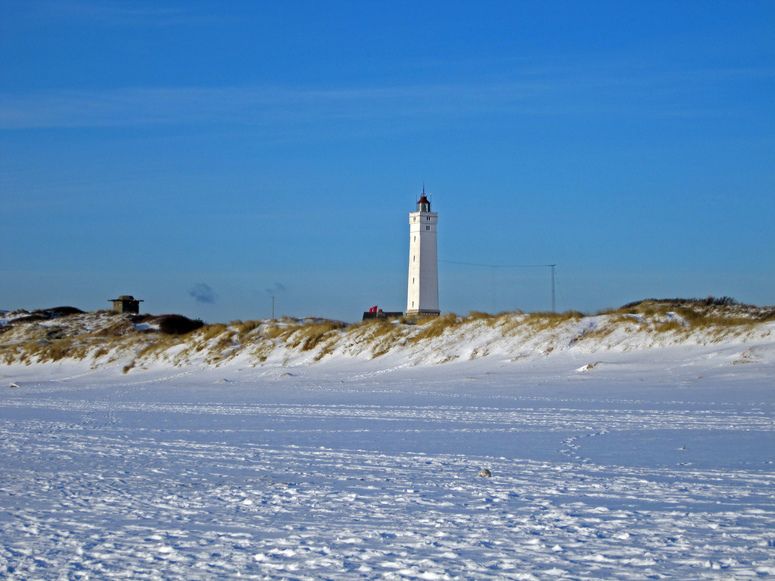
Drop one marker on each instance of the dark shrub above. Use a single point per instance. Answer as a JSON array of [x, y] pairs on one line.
[[65, 311], [116, 329], [177, 324], [720, 302], [29, 319], [55, 334], [766, 314], [137, 319], [43, 314], [709, 302]]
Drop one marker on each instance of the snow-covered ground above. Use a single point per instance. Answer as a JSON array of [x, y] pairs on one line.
[[637, 463]]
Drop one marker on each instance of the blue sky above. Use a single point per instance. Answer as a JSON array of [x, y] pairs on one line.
[[205, 156]]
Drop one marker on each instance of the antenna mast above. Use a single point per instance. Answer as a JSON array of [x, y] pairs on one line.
[[553, 309]]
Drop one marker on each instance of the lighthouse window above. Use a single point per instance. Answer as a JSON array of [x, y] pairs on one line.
[[413, 257], [427, 227], [412, 281], [414, 238]]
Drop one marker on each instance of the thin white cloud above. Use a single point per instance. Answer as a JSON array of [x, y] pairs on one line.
[[264, 106], [109, 12], [667, 94]]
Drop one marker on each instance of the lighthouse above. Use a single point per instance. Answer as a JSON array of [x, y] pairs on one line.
[[423, 294]]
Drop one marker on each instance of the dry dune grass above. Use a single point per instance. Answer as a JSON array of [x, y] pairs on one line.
[[532, 323], [273, 331], [102, 350], [707, 312], [384, 336], [491, 320], [245, 328], [50, 351], [613, 322], [327, 347], [377, 328], [365, 324], [309, 335], [227, 346], [117, 329], [157, 345], [42, 350], [476, 315], [210, 331], [717, 316], [365, 334], [435, 326], [704, 319], [261, 352], [548, 316], [670, 326], [11, 353]]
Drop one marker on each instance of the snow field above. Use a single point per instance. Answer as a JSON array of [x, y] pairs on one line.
[[655, 463]]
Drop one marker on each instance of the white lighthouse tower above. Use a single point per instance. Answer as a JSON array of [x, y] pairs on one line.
[[423, 293]]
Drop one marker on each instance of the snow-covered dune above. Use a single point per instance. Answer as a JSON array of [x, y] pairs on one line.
[[132, 342]]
